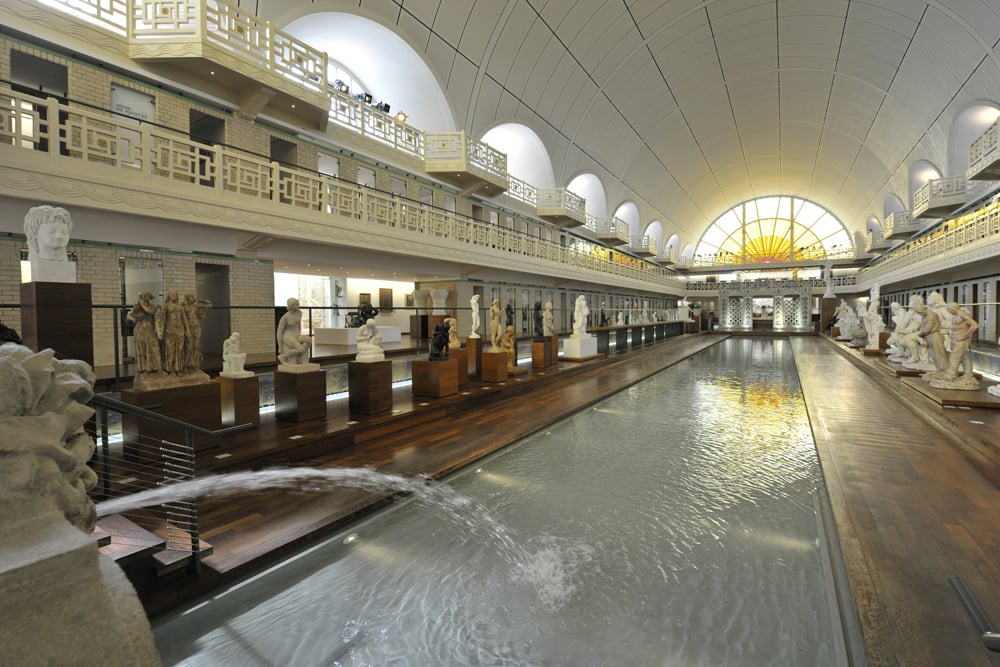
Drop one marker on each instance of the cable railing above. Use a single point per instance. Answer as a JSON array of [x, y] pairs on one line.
[[138, 463]]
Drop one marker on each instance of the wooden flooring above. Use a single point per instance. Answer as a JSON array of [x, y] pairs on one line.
[[913, 486]]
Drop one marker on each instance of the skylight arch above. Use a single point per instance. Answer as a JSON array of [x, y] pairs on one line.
[[774, 229]]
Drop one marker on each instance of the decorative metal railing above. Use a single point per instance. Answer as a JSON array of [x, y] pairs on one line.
[[983, 151], [939, 190], [367, 121], [522, 191], [132, 147], [613, 227], [643, 244]]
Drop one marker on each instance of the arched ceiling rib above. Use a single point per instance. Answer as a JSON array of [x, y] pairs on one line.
[[689, 107]]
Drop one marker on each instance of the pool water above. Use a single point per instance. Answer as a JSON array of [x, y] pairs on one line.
[[674, 523]]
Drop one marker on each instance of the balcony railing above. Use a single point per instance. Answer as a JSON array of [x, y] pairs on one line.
[[643, 245], [522, 191], [125, 149], [559, 203], [610, 230], [367, 121], [984, 161], [939, 197]]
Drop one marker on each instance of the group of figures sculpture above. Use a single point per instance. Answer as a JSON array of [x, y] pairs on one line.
[[168, 336], [933, 337]]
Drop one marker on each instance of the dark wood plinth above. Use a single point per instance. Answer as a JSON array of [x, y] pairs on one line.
[[474, 346], [197, 404], [603, 335], [541, 354], [692, 327], [494, 366], [58, 316], [299, 397], [422, 326], [240, 400], [369, 386], [553, 342], [461, 357], [435, 378], [621, 339]]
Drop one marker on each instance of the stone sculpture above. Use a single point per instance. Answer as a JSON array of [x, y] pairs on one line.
[[509, 345], [293, 345], [194, 311], [828, 279], [233, 359], [936, 303], [439, 343], [369, 343], [897, 349], [367, 311], [873, 325], [547, 319], [453, 340], [474, 308], [65, 603], [847, 320], [495, 332], [580, 313], [959, 374], [172, 329], [539, 319], [148, 358], [48, 229], [859, 335], [509, 315], [916, 347]]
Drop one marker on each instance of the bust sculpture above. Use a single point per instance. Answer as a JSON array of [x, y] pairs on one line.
[[233, 359], [474, 308], [293, 346], [48, 229], [369, 343]]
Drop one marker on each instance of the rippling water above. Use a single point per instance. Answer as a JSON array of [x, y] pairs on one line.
[[672, 524]]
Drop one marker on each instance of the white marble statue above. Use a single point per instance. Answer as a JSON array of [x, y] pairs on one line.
[[580, 313], [369, 343], [929, 334], [828, 279], [547, 319], [496, 330], [233, 359], [48, 229], [859, 335], [293, 345], [474, 307], [897, 349], [874, 325], [959, 374], [620, 319], [847, 320]]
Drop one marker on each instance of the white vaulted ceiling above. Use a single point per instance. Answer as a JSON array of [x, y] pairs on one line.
[[688, 107]]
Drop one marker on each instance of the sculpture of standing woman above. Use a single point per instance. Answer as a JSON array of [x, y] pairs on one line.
[[474, 307], [147, 345], [495, 325], [172, 329], [547, 319], [194, 310]]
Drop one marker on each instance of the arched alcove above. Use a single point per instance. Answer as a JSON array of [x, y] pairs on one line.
[[629, 212], [892, 204], [873, 224], [654, 230], [376, 55], [590, 187], [965, 129], [527, 158], [673, 243]]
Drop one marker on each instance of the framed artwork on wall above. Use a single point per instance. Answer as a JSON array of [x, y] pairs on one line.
[[409, 301], [364, 297], [385, 298]]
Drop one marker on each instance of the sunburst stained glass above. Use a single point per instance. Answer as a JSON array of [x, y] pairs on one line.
[[774, 229]]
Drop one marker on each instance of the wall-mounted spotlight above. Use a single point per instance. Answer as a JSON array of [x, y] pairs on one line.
[[341, 86], [400, 117], [383, 107]]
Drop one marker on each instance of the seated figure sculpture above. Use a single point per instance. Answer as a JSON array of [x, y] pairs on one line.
[[847, 320], [439, 343], [233, 359], [293, 346], [369, 343]]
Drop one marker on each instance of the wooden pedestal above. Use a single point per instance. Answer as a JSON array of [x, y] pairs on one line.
[[461, 357], [494, 366], [299, 397], [59, 316], [240, 400], [435, 378], [474, 348], [541, 354], [369, 386], [197, 404]]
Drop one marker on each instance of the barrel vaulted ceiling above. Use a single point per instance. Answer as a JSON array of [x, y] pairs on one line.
[[688, 107]]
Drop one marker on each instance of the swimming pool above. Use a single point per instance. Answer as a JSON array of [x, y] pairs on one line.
[[674, 523]]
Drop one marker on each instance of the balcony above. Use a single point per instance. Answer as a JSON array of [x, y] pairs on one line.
[[984, 159], [561, 207], [875, 242], [667, 258], [470, 165], [609, 231], [900, 225], [939, 197], [643, 246]]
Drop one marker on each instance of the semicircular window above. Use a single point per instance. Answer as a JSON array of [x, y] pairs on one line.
[[774, 229]]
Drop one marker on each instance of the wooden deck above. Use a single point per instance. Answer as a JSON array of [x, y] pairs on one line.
[[913, 486]]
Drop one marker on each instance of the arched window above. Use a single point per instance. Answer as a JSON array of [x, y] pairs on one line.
[[774, 229]]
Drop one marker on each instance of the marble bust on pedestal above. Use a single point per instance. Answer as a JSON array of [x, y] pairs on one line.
[[48, 229]]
